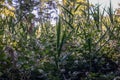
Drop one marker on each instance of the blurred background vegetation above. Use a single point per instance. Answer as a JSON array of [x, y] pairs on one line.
[[52, 40]]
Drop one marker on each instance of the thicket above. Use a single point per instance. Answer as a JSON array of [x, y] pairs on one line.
[[78, 47]]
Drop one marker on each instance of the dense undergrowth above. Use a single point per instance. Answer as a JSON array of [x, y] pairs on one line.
[[77, 48]]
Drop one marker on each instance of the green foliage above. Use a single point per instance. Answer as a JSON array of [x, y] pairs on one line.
[[78, 47]]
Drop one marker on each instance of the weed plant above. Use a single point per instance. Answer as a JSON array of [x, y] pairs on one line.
[[78, 47]]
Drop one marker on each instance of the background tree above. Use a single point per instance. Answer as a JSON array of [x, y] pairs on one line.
[[6, 9]]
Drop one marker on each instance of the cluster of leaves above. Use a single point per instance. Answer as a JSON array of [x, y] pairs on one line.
[[6, 10], [77, 48]]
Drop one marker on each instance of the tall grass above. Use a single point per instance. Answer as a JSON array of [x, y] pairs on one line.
[[85, 38]]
